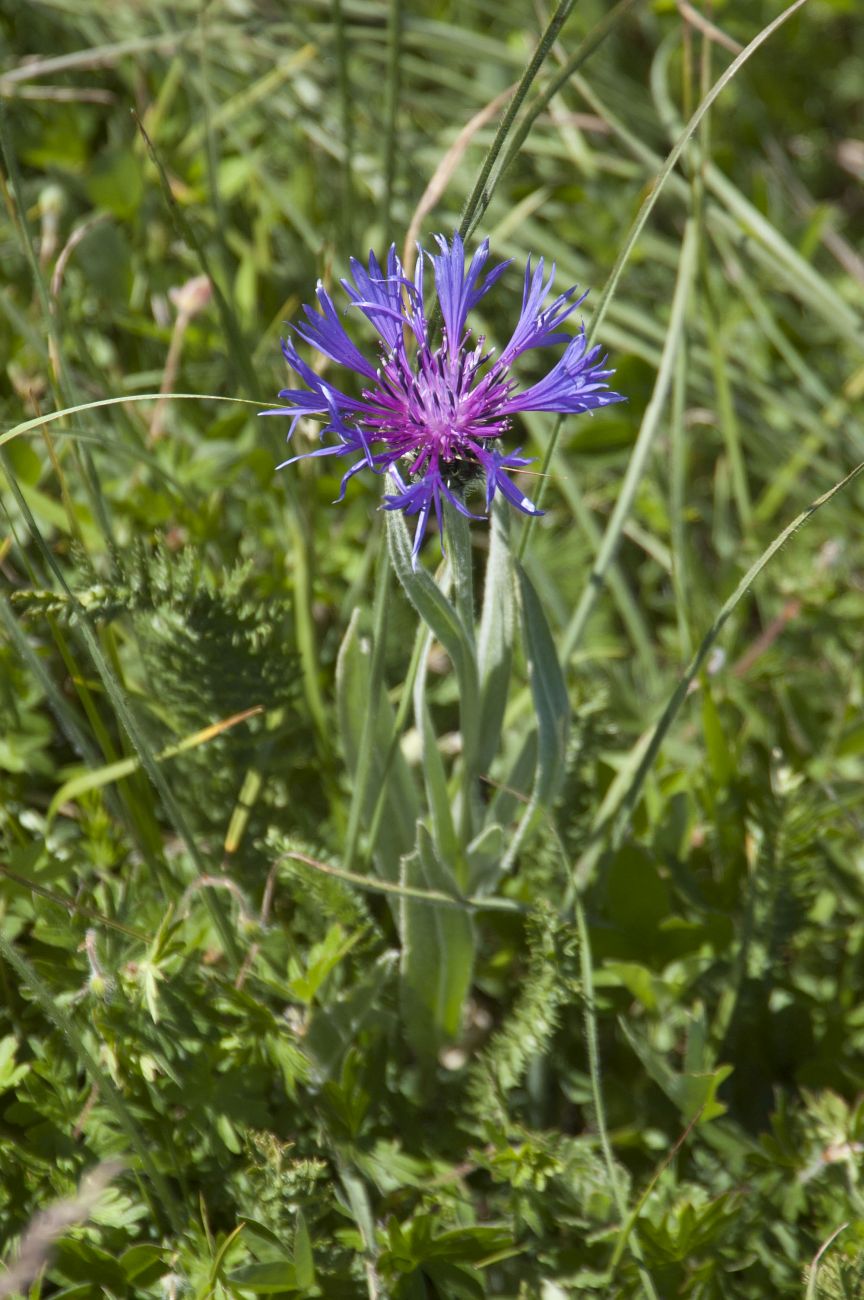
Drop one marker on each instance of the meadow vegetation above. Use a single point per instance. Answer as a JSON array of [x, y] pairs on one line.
[[494, 927]]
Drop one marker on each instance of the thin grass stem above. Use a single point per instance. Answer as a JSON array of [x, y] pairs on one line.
[[586, 968], [628, 802], [346, 113], [479, 198], [650, 199], [577, 59], [391, 115], [642, 449]]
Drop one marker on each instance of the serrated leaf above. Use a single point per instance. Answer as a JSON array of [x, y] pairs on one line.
[[10, 1073]]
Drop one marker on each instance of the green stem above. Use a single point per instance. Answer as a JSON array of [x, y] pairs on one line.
[[579, 56], [391, 109], [644, 443], [653, 193], [347, 123], [479, 197]]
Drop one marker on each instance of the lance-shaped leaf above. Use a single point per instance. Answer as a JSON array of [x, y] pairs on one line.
[[495, 644], [354, 698], [437, 951], [443, 621], [551, 704]]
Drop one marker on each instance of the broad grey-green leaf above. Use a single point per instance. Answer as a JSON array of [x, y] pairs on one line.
[[437, 951], [435, 777], [507, 802], [485, 854], [396, 827], [551, 704], [443, 621], [495, 643]]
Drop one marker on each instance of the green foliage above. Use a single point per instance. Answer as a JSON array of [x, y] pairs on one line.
[[326, 993]]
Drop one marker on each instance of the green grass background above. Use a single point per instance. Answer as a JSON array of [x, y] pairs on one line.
[[653, 1086]]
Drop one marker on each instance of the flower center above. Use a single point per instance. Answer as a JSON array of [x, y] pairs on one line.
[[438, 408]]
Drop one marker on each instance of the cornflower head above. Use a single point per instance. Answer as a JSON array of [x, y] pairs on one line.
[[433, 417]]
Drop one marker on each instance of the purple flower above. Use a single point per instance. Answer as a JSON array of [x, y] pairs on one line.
[[432, 417]]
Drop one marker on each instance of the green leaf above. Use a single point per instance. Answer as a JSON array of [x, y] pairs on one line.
[[695, 1095], [79, 1261], [261, 1240], [437, 952], [304, 1265], [10, 1073], [638, 896], [267, 1278], [506, 802], [637, 979], [143, 1264], [551, 703], [434, 775], [455, 1281], [334, 1028], [116, 182], [396, 828], [444, 622], [323, 958], [495, 642], [485, 854], [720, 756]]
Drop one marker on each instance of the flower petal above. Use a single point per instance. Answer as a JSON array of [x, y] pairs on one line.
[[379, 295], [457, 291], [577, 383], [537, 328], [326, 332]]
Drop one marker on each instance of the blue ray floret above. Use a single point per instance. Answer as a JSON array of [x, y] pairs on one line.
[[432, 417]]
